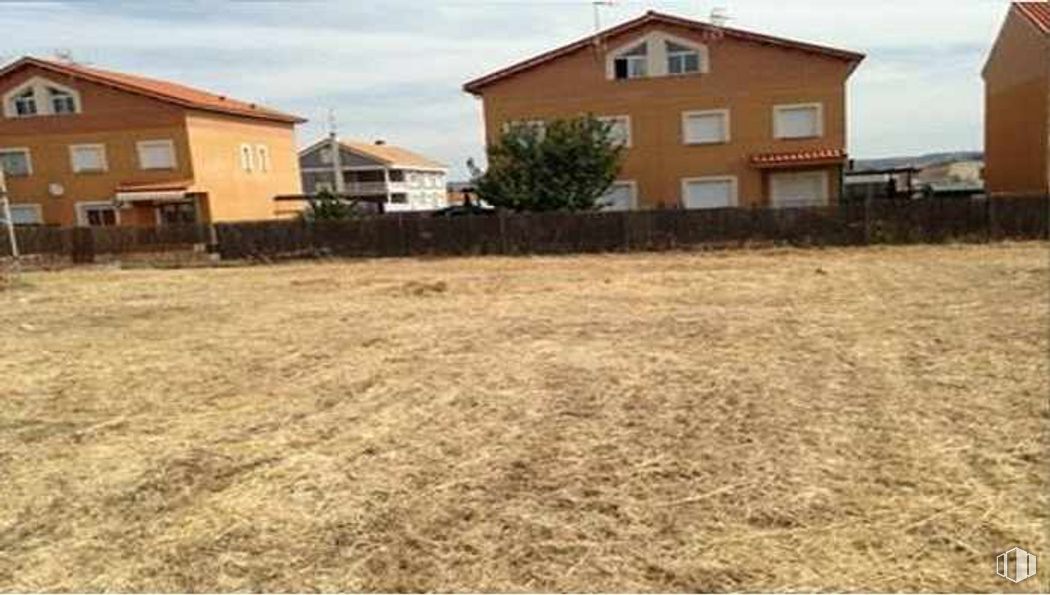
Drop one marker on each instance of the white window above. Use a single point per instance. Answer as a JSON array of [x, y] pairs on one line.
[[633, 63], [25, 215], [40, 97], [16, 162], [705, 127], [97, 214], [156, 154], [709, 192], [25, 103], [264, 157], [247, 159], [799, 189], [325, 155], [621, 196], [798, 121], [88, 158], [682, 59], [62, 102], [538, 126], [620, 129]]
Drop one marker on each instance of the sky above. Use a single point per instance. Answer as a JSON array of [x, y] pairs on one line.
[[394, 69]]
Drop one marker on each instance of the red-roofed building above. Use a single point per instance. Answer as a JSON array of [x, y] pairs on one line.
[[710, 116], [86, 146], [1017, 103]]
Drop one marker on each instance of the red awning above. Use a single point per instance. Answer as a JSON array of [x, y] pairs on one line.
[[799, 158]]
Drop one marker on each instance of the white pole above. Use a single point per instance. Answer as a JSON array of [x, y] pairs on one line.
[[5, 203], [337, 156]]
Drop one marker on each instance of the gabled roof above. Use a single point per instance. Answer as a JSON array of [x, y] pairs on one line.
[[1036, 12], [475, 86], [388, 155], [161, 90]]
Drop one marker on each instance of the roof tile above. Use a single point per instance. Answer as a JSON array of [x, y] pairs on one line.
[[812, 157], [1036, 12], [475, 86], [163, 90]]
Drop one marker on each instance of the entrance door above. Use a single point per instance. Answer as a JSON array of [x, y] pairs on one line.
[[799, 189]]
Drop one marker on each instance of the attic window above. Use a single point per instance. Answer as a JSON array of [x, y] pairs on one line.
[[682, 59], [634, 63], [62, 102], [25, 103], [40, 97]]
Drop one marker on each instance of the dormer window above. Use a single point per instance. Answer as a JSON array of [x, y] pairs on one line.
[[40, 97], [62, 102], [634, 63], [657, 54], [25, 103], [682, 59]]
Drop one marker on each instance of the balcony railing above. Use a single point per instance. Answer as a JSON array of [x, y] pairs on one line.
[[373, 187]]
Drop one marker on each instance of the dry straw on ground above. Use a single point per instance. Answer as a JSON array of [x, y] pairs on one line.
[[782, 420]]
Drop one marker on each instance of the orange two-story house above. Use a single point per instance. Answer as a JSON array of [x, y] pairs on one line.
[[711, 116], [84, 146], [1017, 104]]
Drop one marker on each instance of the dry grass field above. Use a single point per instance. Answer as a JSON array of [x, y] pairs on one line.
[[868, 419]]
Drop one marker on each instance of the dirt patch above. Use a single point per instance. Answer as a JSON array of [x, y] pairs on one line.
[[846, 420]]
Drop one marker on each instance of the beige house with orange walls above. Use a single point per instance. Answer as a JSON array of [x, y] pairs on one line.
[[85, 146], [1017, 103], [711, 116]]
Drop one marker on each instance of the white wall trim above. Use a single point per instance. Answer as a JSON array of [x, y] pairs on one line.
[[657, 54], [246, 157], [633, 185], [630, 126], [328, 170], [777, 109], [40, 97], [734, 198], [262, 151], [72, 162], [825, 184], [29, 205], [82, 207], [707, 112], [167, 142], [26, 152]]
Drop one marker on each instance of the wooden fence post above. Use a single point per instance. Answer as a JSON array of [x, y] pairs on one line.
[[502, 232], [869, 198], [83, 246], [991, 220], [625, 224]]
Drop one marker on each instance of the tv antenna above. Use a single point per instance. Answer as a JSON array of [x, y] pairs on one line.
[[597, 6], [719, 18], [332, 128]]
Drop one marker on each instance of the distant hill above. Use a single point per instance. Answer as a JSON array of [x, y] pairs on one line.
[[919, 161]]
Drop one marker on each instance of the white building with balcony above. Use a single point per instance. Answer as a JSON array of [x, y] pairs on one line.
[[406, 181]]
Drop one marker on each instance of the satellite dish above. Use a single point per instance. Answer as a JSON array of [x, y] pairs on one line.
[[56, 190]]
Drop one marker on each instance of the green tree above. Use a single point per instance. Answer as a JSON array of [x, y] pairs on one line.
[[325, 206], [568, 165]]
